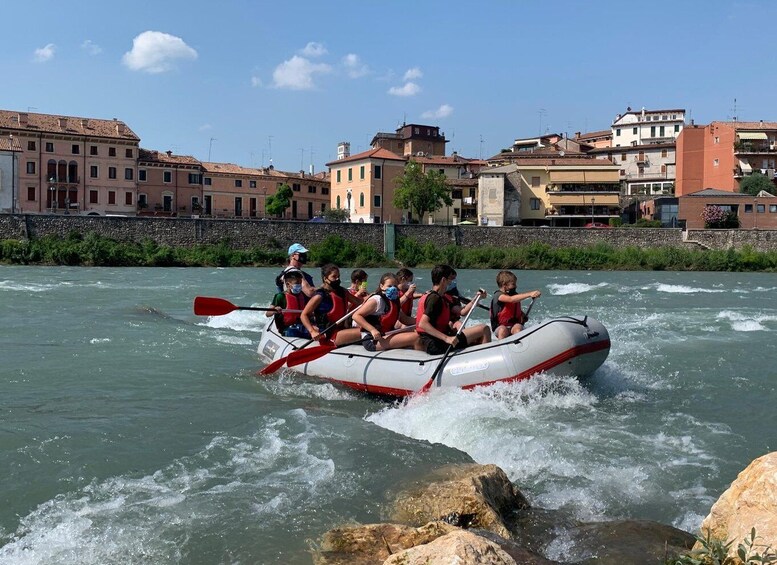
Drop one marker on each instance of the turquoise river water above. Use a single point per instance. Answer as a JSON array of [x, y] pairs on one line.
[[132, 431]]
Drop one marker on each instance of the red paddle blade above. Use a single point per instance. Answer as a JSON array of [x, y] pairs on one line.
[[274, 366], [309, 354], [210, 306]]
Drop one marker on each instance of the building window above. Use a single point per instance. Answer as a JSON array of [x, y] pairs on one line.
[[361, 200], [295, 187], [111, 152], [338, 201], [142, 175], [748, 208], [661, 130], [378, 171], [92, 150], [142, 200], [31, 193], [167, 176], [376, 201], [128, 153], [350, 174], [715, 162], [311, 189], [195, 178], [128, 175], [338, 176], [128, 199], [252, 184], [49, 147], [238, 184], [634, 131], [677, 128], [663, 153], [93, 172], [361, 172], [623, 156], [717, 139], [618, 132], [111, 172], [535, 203], [760, 208], [652, 131], [324, 190], [772, 208], [30, 146], [111, 197], [75, 149], [30, 167], [208, 181], [93, 197]]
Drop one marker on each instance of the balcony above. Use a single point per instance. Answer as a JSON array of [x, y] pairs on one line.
[[753, 148], [656, 140], [64, 181], [610, 198]]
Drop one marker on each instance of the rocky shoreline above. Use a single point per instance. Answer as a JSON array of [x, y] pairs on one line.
[[473, 514]]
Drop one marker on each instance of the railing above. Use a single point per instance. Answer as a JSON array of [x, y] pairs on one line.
[[647, 176], [740, 147]]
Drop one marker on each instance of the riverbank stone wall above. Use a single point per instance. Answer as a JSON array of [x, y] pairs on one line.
[[243, 234]]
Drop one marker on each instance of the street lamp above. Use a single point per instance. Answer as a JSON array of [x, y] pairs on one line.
[[52, 195], [592, 209], [755, 213]]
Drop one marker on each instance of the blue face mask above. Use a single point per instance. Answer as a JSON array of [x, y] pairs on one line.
[[392, 293], [296, 288], [452, 285]]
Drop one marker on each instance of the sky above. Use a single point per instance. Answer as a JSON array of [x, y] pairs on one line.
[[282, 83]]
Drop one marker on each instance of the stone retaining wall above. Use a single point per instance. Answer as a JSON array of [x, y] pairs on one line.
[[242, 234]]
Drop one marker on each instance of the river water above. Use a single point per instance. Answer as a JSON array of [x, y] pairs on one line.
[[133, 431]]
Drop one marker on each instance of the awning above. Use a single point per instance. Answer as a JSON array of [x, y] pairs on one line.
[[602, 176], [567, 176], [752, 135], [745, 166]]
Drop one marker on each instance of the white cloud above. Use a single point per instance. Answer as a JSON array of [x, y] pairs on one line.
[[313, 49], [354, 66], [407, 89], [45, 53], [412, 74], [157, 52], [90, 47], [297, 73], [256, 82], [205, 127], [442, 112]]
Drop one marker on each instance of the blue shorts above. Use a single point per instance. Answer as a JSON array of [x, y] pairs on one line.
[[296, 330]]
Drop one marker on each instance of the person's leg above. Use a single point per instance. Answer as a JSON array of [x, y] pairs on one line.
[[517, 328], [350, 335], [501, 332], [405, 340], [478, 334]]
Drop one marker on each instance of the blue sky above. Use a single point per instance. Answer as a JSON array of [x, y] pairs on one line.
[[291, 78]]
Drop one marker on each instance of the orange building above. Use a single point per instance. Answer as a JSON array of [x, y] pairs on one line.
[[73, 165], [169, 185], [721, 154], [753, 212], [412, 139]]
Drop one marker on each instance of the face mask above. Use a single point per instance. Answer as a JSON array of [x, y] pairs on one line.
[[511, 292], [335, 283], [452, 285], [296, 288], [392, 293], [303, 258]]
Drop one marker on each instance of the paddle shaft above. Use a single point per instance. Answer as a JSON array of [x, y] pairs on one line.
[[212, 306], [444, 358]]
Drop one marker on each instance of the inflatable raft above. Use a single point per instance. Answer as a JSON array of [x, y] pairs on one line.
[[568, 345]]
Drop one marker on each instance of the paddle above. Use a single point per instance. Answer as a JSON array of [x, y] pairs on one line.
[[526, 314], [302, 356], [464, 300], [211, 306], [278, 363], [444, 358]]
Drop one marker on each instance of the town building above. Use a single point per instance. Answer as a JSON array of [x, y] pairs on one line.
[[10, 148], [412, 139], [73, 165], [721, 154], [168, 184], [460, 177], [753, 212], [595, 139]]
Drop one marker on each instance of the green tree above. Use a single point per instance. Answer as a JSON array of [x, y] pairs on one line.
[[755, 183], [336, 214], [278, 202], [421, 192]]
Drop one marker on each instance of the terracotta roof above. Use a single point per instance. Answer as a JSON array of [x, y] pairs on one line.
[[230, 169], [749, 125], [154, 156], [717, 192], [535, 161], [629, 148], [441, 160], [50, 123], [639, 112], [8, 144], [379, 153], [595, 134], [461, 182]]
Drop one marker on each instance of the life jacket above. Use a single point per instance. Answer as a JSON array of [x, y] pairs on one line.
[[385, 322], [331, 308], [453, 300], [505, 313], [441, 323], [407, 305], [294, 302]]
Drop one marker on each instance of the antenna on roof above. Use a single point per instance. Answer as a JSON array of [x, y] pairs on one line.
[[734, 111]]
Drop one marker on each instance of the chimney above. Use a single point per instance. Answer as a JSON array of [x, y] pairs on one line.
[[23, 118], [311, 169], [84, 123], [169, 153], [62, 123], [119, 128], [577, 134]]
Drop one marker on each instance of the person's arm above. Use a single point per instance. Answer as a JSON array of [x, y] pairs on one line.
[[518, 297], [305, 316], [307, 285], [353, 300], [279, 302], [465, 310], [406, 320], [409, 294], [369, 307]]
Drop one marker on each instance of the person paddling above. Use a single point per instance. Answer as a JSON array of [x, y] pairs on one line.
[[434, 314], [379, 314], [507, 317], [298, 256], [289, 323], [329, 304], [407, 293]]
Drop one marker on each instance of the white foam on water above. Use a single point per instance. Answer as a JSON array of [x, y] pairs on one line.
[[234, 340], [683, 289], [28, 287], [95, 340], [290, 384], [573, 288], [746, 322], [270, 474], [238, 320]]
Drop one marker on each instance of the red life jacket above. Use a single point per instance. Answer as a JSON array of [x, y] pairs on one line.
[[453, 300], [441, 323], [335, 301], [385, 322], [407, 305], [294, 302], [505, 313]]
